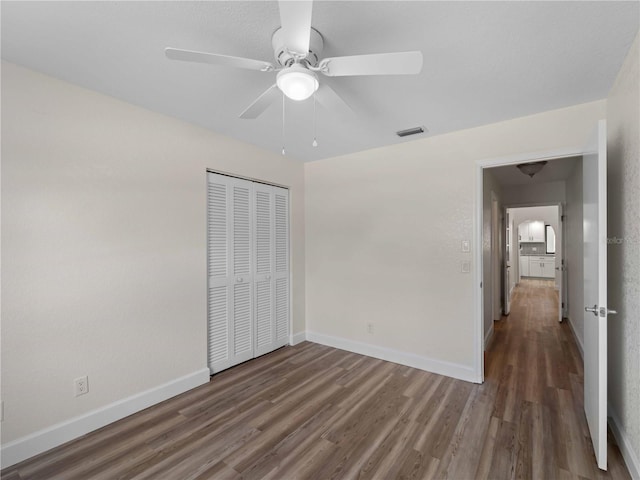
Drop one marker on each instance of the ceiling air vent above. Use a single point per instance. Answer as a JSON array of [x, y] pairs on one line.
[[410, 131]]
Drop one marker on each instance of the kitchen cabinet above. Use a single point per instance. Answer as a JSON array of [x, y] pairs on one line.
[[541, 267], [531, 231], [549, 268], [524, 266]]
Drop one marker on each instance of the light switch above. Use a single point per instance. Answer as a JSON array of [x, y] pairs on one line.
[[465, 246], [465, 266]]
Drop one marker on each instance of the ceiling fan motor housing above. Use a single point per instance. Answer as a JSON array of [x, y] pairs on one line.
[[285, 58]]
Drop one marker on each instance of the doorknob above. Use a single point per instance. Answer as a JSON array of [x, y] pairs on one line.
[[593, 310], [605, 311]]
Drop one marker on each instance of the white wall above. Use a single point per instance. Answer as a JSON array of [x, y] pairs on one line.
[[623, 105], [383, 233], [535, 193], [103, 246], [574, 252]]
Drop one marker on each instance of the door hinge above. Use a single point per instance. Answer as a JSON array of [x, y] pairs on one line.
[[480, 284], [562, 217]]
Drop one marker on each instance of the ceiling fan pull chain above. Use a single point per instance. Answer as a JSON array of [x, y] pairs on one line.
[[283, 152], [315, 122]]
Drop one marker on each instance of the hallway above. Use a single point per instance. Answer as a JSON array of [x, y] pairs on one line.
[[536, 367]]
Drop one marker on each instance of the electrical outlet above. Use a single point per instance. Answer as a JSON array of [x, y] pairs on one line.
[[465, 246], [370, 328], [81, 385]]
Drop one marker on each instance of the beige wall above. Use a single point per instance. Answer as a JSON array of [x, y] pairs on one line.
[[623, 105], [574, 257], [103, 246], [490, 190], [383, 233]]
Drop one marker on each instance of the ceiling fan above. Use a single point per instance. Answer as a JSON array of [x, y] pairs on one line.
[[297, 48]]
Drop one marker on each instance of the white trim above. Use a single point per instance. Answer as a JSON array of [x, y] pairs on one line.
[[55, 435], [575, 335], [297, 338], [461, 372], [531, 156], [629, 456], [488, 337], [478, 343]]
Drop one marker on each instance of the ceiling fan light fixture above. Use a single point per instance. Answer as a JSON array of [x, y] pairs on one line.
[[531, 168], [297, 82]]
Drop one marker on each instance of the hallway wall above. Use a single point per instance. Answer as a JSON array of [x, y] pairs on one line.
[[624, 250], [574, 253]]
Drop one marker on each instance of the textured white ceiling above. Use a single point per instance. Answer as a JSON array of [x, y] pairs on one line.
[[483, 62]]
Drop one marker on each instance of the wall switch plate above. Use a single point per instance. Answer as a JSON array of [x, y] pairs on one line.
[[81, 386], [465, 246], [465, 266]]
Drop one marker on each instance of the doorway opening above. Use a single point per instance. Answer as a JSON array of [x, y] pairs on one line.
[[535, 252], [549, 206]]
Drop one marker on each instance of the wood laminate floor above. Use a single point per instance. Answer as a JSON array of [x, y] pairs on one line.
[[315, 412]]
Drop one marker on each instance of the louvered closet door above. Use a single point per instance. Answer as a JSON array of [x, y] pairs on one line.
[[281, 266], [264, 268], [229, 234], [248, 268]]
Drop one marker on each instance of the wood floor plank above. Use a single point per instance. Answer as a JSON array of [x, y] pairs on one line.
[[315, 412]]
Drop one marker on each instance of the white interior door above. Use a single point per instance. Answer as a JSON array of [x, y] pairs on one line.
[[559, 264], [595, 290], [508, 271]]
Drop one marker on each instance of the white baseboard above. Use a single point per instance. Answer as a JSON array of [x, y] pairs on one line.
[[575, 335], [48, 438], [488, 337], [297, 338], [461, 372], [630, 457]]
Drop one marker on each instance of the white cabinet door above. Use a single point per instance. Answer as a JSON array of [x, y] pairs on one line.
[[549, 268], [536, 231], [524, 266], [535, 267], [523, 232]]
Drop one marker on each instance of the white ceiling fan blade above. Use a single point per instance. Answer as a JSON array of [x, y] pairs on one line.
[[262, 103], [295, 18], [400, 63], [329, 99], [215, 59]]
